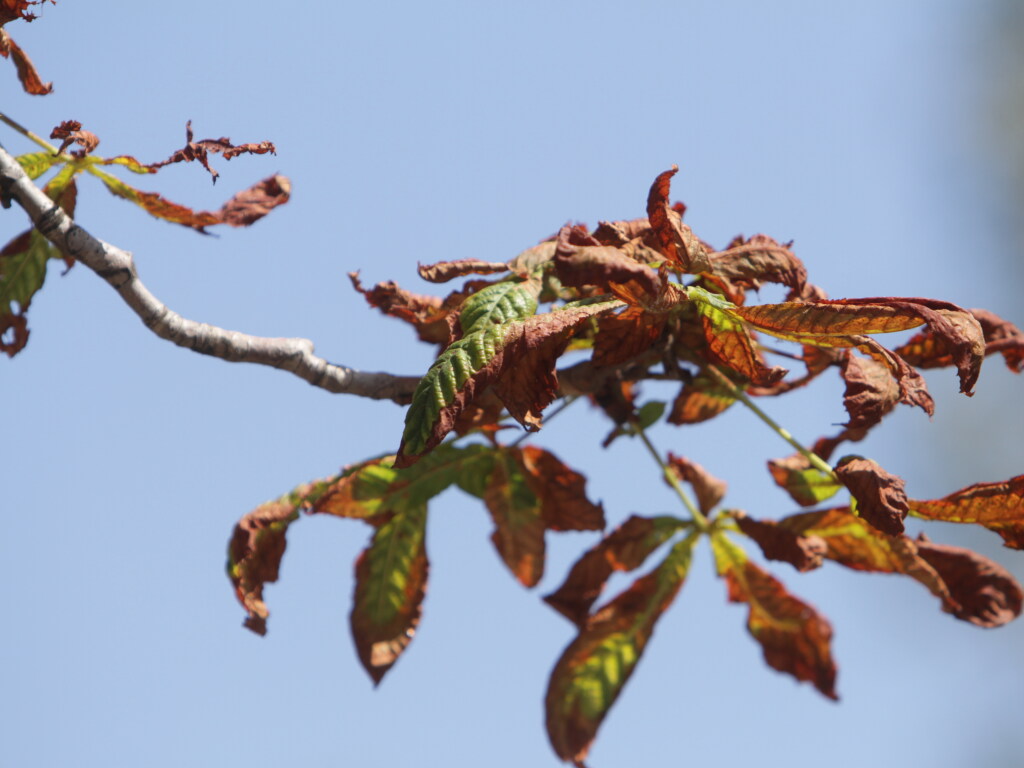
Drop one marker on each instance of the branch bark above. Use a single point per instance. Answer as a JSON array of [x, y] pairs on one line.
[[117, 267]]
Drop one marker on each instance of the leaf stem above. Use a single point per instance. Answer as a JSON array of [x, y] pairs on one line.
[[736, 391], [698, 517], [27, 133]]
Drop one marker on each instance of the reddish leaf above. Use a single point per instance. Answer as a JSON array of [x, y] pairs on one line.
[[200, 150], [709, 489], [624, 549], [257, 546], [562, 492], [594, 668], [984, 592], [27, 74], [929, 350], [996, 506], [70, 132], [443, 271], [970, 586], [848, 317], [607, 267], [881, 498], [677, 243], [700, 399], [624, 336], [805, 553], [253, 204], [795, 638], [391, 581], [748, 263], [427, 314]]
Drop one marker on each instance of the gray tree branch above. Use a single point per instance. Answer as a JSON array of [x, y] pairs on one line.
[[117, 267]]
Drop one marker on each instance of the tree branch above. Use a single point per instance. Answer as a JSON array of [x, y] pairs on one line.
[[117, 267]]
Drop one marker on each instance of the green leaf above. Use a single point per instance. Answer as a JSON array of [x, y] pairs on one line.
[[805, 484], [595, 667], [35, 164], [391, 580], [498, 304], [375, 488], [649, 413], [22, 274]]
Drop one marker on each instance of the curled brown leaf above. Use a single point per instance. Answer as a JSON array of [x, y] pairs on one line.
[[881, 498]]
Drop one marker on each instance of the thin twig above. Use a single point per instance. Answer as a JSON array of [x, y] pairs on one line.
[[117, 267]]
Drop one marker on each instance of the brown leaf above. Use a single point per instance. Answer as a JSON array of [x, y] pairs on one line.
[[805, 553], [984, 592], [29, 78], [562, 492], [254, 557], [427, 314], [200, 150], [443, 271], [700, 399], [748, 263], [624, 549], [624, 336], [254, 203], [850, 317], [997, 506], [795, 638], [929, 350], [678, 244], [881, 498], [70, 132], [604, 266], [871, 391], [709, 489]]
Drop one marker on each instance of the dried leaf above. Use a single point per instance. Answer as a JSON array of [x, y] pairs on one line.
[[871, 391], [624, 549], [251, 205], [594, 668], [881, 498], [562, 492], [29, 78], [242, 210], [257, 546], [709, 489], [985, 593], [677, 243], [608, 268], [795, 638], [70, 132], [443, 271], [624, 336], [200, 150], [427, 314], [805, 553], [997, 506], [748, 263], [700, 399]]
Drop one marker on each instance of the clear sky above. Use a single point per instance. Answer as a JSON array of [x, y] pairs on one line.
[[429, 131]]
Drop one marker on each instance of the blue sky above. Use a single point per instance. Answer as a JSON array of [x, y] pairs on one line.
[[422, 132]]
